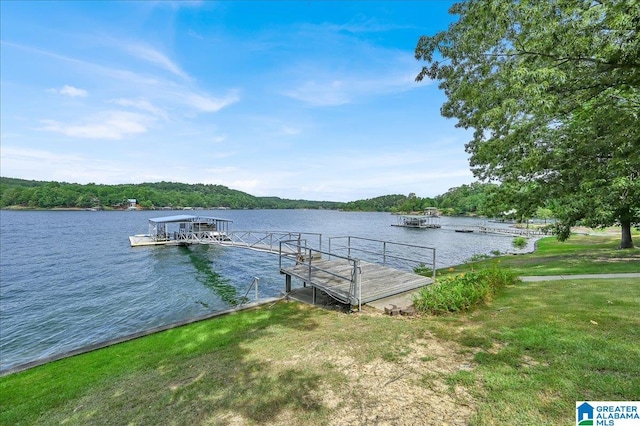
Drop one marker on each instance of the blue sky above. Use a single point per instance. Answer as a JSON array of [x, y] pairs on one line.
[[302, 100]]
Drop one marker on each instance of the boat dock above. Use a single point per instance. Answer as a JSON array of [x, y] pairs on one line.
[[182, 230], [353, 271], [525, 232], [353, 281], [336, 279], [189, 230], [427, 221]]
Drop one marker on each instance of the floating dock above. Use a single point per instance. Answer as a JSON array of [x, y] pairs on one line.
[[419, 221], [183, 230]]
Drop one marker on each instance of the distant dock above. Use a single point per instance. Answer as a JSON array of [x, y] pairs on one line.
[[526, 232]]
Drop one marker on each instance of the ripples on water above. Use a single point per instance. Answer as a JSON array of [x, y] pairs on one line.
[[68, 279]]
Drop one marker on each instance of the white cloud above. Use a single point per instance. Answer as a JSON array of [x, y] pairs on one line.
[[176, 4], [70, 91], [326, 93], [149, 54], [349, 87], [109, 125], [141, 104], [35, 156], [194, 34], [289, 130], [46, 165], [358, 26], [207, 104], [149, 87]]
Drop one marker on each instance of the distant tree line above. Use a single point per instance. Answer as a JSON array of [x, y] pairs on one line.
[[47, 195], [475, 199], [470, 199]]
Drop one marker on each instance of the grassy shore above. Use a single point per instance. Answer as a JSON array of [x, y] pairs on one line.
[[524, 358], [581, 254]]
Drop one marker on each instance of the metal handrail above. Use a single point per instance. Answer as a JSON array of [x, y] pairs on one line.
[[385, 252], [255, 281], [252, 239], [307, 256], [304, 255]]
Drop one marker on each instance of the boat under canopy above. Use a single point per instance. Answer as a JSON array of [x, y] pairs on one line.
[[183, 230], [418, 221]]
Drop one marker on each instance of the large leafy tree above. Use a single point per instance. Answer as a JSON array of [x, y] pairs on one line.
[[552, 91]]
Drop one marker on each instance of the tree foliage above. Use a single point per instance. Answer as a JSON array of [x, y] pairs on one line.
[[552, 91], [464, 200], [47, 195], [472, 199], [384, 203]]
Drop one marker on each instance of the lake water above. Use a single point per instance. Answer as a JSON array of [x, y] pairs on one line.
[[68, 279]]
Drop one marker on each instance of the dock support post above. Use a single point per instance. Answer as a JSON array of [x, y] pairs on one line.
[[384, 253], [434, 265], [358, 282], [287, 283], [257, 280]]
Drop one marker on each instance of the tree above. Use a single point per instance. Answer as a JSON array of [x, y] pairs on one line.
[[467, 200], [552, 91], [544, 214]]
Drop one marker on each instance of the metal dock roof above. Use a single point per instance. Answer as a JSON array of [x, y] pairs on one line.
[[185, 218]]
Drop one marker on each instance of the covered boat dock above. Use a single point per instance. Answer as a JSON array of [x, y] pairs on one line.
[[183, 230], [418, 221]]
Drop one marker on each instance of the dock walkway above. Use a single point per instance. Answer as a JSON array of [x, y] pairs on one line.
[[376, 281], [349, 279], [525, 232], [269, 241]]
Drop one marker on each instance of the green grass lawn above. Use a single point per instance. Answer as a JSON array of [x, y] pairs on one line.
[[539, 347], [581, 254]]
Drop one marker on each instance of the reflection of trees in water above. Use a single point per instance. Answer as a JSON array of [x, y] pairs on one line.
[[221, 286]]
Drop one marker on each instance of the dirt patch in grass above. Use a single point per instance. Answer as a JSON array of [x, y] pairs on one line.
[[591, 231], [617, 259], [401, 382], [409, 391]]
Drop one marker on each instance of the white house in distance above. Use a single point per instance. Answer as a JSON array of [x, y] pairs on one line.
[[132, 204]]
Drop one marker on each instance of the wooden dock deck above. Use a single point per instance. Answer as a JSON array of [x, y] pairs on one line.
[[335, 277], [526, 232]]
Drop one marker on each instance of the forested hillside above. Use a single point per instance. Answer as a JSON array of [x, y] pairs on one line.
[[463, 200], [46, 195]]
